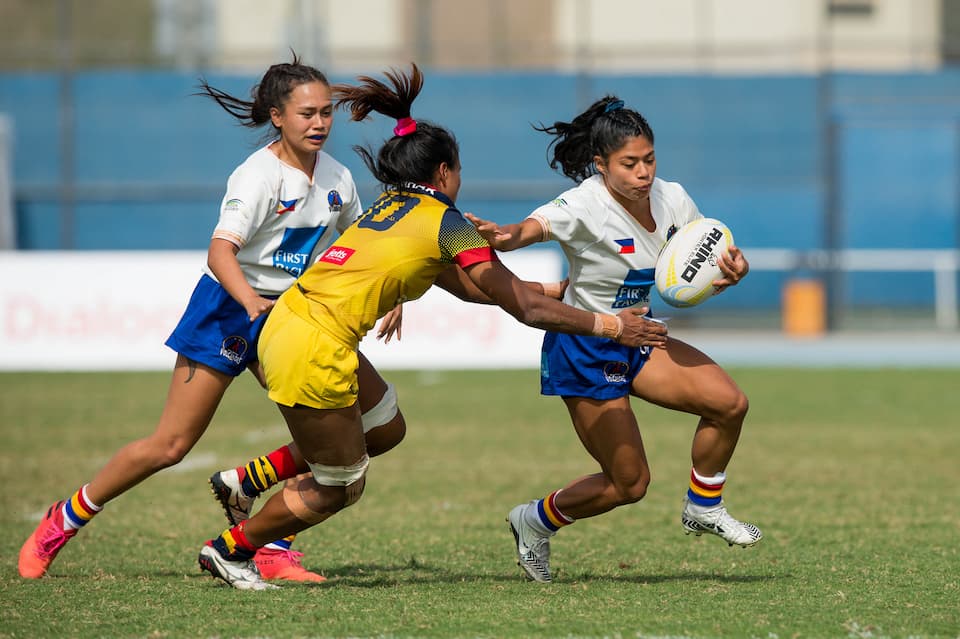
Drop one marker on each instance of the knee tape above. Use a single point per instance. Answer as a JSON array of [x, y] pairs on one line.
[[340, 475], [350, 477], [385, 410]]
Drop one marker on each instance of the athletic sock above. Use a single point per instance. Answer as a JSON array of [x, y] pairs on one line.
[[546, 518], [263, 472], [232, 544], [281, 544], [705, 491], [79, 510]]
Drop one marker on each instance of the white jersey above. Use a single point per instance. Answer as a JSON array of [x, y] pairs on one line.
[[281, 220], [611, 257]]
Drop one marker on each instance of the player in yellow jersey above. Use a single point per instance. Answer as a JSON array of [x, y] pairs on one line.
[[411, 238]]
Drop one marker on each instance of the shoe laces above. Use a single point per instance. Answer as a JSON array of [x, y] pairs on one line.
[[538, 545], [53, 538], [723, 518], [541, 548], [286, 555]]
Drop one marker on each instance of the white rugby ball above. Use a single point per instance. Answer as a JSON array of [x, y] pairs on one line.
[[687, 265]]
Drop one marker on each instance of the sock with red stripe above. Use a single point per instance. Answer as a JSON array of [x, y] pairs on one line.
[[233, 544], [79, 510], [545, 517], [706, 491], [263, 472]]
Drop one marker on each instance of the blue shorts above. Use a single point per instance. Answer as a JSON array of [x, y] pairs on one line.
[[216, 331], [585, 366]]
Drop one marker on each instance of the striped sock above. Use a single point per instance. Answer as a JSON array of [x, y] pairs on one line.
[[705, 491], [233, 544], [78, 510], [546, 517], [281, 544], [263, 472]]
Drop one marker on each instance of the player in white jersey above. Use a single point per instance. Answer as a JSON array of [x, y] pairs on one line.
[[611, 227], [285, 203], [280, 217]]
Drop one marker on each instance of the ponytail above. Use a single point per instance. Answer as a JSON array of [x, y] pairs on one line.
[[417, 147], [600, 130]]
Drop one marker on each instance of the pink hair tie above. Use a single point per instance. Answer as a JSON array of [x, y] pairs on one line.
[[405, 126]]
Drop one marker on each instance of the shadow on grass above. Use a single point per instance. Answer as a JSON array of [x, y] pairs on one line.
[[412, 572]]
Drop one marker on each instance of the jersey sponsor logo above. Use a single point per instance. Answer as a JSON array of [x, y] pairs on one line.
[[635, 288], [293, 254], [704, 254], [626, 246], [232, 206], [285, 206], [616, 372], [335, 201], [559, 202], [337, 255], [234, 348]]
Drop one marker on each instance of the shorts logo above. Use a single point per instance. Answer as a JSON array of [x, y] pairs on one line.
[[335, 201], [616, 372], [337, 255], [234, 348]]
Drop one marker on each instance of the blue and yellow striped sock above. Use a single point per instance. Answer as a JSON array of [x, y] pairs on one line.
[[546, 517], [706, 491], [282, 544], [261, 473], [79, 510]]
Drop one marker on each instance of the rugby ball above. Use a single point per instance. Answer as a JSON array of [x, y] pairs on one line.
[[687, 265]]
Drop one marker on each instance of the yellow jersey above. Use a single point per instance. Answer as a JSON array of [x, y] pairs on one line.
[[391, 254]]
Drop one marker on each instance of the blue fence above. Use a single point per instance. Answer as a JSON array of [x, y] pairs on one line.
[[149, 159]]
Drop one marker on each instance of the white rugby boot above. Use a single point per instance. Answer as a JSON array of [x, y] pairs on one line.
[[533, 548], [226, 488], [241, 574], [715, 520]]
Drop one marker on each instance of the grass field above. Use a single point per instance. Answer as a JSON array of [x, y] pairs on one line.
[[848, 472]]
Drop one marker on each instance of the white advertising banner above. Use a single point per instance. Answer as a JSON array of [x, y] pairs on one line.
[[113, 310]]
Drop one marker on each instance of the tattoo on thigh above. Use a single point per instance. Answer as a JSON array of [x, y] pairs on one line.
[[192, 365]]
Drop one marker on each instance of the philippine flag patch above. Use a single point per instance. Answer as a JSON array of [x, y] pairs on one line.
[[626, 245], [285, 206]]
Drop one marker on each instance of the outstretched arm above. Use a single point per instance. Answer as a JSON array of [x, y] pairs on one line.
[[510, 293], [510, 236], [456, 282]]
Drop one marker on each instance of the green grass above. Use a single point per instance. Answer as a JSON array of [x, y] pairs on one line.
[[848, 472]]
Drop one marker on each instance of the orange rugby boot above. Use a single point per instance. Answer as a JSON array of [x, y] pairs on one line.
[[284, 564], [41, 548]]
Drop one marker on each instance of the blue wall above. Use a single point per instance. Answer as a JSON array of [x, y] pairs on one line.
[[748, 149]]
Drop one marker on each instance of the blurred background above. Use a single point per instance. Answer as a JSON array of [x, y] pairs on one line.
[[825, 133]]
